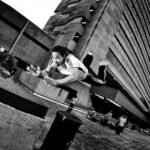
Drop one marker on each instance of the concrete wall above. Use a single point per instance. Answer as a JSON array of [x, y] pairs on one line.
[[129, 51], [39, 86], [22, 38], [102, 29], [20, 125]]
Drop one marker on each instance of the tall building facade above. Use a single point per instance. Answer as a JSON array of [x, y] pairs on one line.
[[117, 31]]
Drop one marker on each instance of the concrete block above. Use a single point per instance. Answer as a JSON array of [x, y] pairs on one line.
[[51, 92], [29, 80], [83, 94]]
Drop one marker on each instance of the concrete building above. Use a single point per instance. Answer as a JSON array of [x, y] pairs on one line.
[[116, 31]]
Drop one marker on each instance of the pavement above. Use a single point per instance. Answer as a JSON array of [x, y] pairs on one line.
[[93, 136]]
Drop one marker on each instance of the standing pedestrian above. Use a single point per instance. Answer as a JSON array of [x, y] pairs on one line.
[[120, 124]]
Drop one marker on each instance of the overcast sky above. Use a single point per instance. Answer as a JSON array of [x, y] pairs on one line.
[[37, 11]]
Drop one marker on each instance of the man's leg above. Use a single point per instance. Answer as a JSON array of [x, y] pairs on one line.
[[99, 79], [90, 79], [102, 71], [88, 59]]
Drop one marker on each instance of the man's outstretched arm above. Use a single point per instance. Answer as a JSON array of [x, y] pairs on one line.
[[76, 75]]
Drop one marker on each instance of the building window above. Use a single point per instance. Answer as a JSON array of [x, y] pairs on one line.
[[76, 37], [91, 10], [84, 22]]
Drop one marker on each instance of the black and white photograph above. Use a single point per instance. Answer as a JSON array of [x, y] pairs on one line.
[[74, 74]]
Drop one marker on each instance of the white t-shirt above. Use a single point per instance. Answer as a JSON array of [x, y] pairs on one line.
[[122, 121], [72, 62]]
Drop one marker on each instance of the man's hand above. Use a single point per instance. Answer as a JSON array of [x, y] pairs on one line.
[[97, 80], [44, 74], [51, 81], [54, 64], [33, 70]]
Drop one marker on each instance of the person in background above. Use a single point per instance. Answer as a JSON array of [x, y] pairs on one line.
[[107, 117], [3, 54], [120, 124], [73, 102], [7, 63]]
